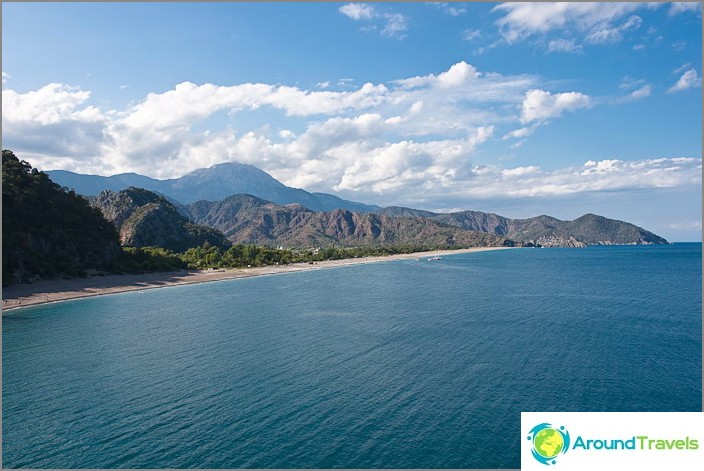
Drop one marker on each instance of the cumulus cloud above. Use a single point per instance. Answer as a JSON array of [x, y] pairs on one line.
[[373, 139], [393, 25], [689, 79], [53, 120], [457, 75], [541, 105]]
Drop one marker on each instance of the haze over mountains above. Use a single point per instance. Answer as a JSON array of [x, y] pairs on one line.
[[250, 206]]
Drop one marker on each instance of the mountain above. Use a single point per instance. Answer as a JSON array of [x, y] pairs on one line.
[[589, 229], [248, 219], [212, 184], [145, 219], [218, 183], [46, 231]]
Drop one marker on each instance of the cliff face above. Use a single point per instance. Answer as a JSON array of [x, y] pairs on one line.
[[245, 219], [144, 219], [47, 231]]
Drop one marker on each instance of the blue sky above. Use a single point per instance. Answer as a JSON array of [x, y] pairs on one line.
[[520, 109]]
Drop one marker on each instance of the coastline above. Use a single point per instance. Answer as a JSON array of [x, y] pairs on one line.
[[49, 291]]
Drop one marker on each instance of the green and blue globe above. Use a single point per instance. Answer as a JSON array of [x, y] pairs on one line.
[[548, 443]]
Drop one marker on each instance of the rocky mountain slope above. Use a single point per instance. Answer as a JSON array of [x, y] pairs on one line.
[[143, 219], [246, 218]]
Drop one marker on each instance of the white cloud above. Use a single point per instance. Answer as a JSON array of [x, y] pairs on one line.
[[519, 133], [642, 92], [594, 22], [393, 25], [682, 68], [540, 104], [689, 79], [396, 25], [5, 77], [564, 45], [519, 171], [639, 89], [629, 83], [358, 11], [638, 47], [446, 7], [471, 34], [683, 7], [54, 119], [375, 154], [679, 45], [374, 137], [457, 75], [609, 35]]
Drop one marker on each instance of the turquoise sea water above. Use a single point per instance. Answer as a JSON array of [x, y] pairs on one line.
[[403, 364]]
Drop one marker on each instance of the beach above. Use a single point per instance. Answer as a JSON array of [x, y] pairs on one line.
[[48, 291]]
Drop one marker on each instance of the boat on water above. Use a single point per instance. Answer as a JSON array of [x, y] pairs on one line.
[[435, 257]]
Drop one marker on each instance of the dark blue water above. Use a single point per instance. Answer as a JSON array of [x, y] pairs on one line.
[[400, 364]]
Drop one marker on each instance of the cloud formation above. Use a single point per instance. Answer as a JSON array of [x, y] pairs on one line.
[[595, 23], [564, 45], [540, 104], [689, 79], [392, 143], [393, 25]]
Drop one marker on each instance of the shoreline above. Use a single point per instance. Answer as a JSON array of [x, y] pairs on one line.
[[51, 291]]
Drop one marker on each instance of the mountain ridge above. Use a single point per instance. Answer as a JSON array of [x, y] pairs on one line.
[[216, 184], [249, 219], [211, 184]]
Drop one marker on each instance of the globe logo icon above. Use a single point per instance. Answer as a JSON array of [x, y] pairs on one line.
[[548, 442]]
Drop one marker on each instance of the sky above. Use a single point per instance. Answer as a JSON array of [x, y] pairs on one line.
[[520, 109]]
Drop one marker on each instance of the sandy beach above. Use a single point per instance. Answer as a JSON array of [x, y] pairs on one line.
[[48, 291]]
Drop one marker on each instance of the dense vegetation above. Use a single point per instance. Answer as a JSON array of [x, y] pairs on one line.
[[47, 230], [151, 259], [253, 255]]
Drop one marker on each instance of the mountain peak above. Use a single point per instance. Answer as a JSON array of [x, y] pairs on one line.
[[211, 184]]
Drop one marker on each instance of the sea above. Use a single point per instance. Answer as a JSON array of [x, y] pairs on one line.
[[399, 364]]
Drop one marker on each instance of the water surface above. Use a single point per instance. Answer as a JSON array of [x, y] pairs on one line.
[[403, 364]]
